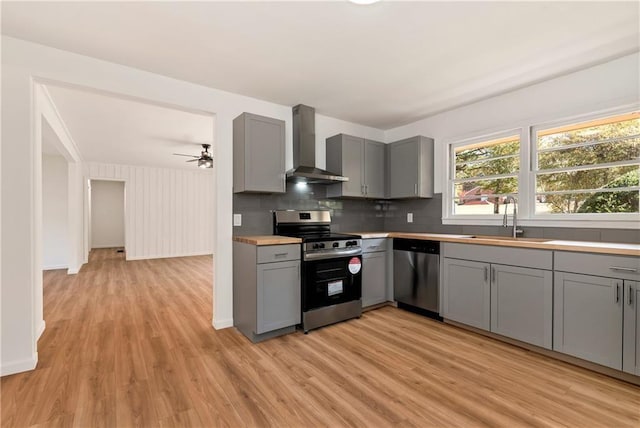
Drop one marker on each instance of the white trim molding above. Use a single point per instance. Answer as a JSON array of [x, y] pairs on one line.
[[20, 366], [222, 324]]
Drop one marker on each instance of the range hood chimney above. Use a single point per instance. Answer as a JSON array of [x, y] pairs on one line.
[[304, 150]]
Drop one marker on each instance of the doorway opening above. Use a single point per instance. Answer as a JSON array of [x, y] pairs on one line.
[[106, 214]]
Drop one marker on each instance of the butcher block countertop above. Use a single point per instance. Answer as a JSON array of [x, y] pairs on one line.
[[267, 240], [501, 241], [504, 241]]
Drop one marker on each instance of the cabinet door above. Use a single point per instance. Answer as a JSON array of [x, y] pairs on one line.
[[467, 293], [404, 169], [522, 304], [374, 278], [374, 169], [278, 296], [352, 154], [264, 154], [588, 318], [631, 343]]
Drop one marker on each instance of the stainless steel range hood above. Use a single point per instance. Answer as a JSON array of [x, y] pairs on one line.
[[304, 150]]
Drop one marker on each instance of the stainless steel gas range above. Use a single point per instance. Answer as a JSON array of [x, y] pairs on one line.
[[331, 267]]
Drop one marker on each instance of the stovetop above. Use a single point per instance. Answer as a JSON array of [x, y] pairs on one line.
[[321, 237]]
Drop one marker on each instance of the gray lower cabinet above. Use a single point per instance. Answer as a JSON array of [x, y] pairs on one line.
[[631, 340], [588, 318], [362, 161], [375, 259], [522, 304], [596, 314], [258, 154], [410, 171], [508, 291], [266, 289], [278, 296], [467, 292]]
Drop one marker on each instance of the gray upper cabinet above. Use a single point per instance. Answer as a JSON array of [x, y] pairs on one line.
[[362, 161], [258, 154], [631, 340], [411, 168], [588, 318], [374, 169]]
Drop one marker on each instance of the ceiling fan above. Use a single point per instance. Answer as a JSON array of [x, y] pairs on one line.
[[205, 160]]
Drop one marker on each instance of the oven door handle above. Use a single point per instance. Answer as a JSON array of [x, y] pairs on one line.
[[332, 254]]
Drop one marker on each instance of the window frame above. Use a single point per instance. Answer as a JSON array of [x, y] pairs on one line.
[[527, 179], [448, 200]]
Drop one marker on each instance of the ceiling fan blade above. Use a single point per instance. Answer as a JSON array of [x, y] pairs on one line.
[[193, 160], [189, 156]]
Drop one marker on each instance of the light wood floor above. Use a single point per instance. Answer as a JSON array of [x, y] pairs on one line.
[[131, 343]]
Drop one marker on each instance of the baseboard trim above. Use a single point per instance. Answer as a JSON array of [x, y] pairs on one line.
[[73, 271], [168, 256], [41, 329], [100, 247], [55, 267], [222, 324], [19, 366]]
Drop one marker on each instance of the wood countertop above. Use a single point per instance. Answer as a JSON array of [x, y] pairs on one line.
[[500, 241], [267, 240], [503, 241]]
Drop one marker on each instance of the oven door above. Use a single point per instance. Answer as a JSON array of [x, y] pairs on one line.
[[328, 282]]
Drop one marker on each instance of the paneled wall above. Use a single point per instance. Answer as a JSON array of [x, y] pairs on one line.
[[168, 212]]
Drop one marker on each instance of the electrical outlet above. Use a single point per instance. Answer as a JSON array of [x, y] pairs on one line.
[[237, 219], [409, 217]]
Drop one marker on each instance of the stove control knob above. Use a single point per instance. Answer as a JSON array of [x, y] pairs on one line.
[[352, 243], [321, 245], [336, 244]]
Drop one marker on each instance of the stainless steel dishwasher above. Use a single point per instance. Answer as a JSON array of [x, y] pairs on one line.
[[416, 275]]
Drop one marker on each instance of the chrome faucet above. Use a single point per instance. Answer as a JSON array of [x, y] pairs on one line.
[[505, 220]]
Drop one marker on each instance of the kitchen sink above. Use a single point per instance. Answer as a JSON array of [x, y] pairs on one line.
[[508, 238]]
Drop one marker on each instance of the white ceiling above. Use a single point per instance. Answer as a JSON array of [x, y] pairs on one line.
[[381, 65], [116, 130]]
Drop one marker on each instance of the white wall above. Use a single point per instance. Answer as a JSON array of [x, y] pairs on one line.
[[168, 212], [597, 88], [107, 214], [55, 220]]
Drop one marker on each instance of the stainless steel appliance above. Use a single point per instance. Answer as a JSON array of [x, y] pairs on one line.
[[304, 150], [331, 267], [416, 275]]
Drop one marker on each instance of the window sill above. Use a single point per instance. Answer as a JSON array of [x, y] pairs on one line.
[[548, 222]]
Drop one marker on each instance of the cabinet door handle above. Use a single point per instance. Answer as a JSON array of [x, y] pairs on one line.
[[415, 189], [617, 292], [629, 296], [624, 269], [493, 274], [486, 274], [362, 189]]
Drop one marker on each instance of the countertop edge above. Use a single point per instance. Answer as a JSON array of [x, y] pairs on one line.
[[267, 240]]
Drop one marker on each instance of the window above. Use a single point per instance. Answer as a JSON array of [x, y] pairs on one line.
[[484, 173], [587, 168]]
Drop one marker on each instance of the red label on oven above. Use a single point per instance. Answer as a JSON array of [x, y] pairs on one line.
[[355, 265]]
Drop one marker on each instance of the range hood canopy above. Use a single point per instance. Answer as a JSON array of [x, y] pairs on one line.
[[304, 150]]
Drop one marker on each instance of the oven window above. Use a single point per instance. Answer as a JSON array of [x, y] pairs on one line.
[[329, 282]]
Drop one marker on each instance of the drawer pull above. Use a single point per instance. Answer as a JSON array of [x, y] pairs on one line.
[[624, 269], [373, 247], [280, 254]]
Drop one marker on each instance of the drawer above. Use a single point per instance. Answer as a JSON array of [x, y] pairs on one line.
[[511, 256], [598, 264], [374, 245], [278, 253]]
